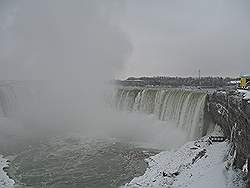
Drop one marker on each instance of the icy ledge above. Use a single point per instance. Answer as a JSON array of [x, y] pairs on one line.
[[197, 164], [5, 181]]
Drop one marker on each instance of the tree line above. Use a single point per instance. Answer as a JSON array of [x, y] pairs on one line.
[[213, 82]]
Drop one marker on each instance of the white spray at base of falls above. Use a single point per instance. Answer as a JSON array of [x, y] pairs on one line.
[[183, 107], [174, 115]]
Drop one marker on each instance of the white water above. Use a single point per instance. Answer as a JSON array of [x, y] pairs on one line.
[[29, 104], [183, 108], [174, 115]]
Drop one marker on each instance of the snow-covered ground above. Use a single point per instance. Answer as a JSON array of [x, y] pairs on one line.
[[197, 164], [246, 93], [5, 181]]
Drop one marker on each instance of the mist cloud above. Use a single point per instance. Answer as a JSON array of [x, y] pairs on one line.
[[72, 47]]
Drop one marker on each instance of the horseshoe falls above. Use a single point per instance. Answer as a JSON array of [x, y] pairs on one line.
[[145, 121], [183, 108]]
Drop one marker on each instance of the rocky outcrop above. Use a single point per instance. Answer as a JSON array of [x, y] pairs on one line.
[[230, 111]]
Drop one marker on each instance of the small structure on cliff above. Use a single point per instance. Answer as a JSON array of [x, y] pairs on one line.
[[244, 80]]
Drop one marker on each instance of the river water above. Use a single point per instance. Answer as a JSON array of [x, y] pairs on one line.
[[73, 162], [77, 161]]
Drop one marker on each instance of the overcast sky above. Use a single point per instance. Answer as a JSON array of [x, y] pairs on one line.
[[123, 38], [178, 37]]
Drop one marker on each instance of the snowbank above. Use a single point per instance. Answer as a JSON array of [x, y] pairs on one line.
[[196, 164], [246, 93], [5, 181]]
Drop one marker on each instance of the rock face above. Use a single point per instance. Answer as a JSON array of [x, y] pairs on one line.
[[231, 112]]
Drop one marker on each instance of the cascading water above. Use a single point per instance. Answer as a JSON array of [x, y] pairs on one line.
[[16, 97], [7, 100], [29, 105], [183, 107], [25, 108]]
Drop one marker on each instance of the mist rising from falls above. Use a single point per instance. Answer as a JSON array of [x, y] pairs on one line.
[[40, 107], [59, 55], [174, 116], [184, 108]]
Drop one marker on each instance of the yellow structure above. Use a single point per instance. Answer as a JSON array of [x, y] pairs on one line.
[[244, 80]]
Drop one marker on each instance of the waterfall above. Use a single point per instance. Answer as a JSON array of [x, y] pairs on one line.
[[7, 100], [184, 107], [30, 103], [17, 97]]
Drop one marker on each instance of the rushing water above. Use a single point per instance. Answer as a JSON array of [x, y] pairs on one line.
[[184, 107], [69, 161]]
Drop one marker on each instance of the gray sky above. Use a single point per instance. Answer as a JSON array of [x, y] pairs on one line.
[[121, 38], [61, 40], [178, 37]]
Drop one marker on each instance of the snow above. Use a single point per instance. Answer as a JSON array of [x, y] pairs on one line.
[[197, 164], [246, 93], [234, 82], [5, 181], [244, 168]]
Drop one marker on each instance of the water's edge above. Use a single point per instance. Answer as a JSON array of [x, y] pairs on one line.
[[5, 180]]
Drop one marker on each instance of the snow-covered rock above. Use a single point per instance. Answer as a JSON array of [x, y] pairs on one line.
[[5, 181], [196, 164], [246, 93]]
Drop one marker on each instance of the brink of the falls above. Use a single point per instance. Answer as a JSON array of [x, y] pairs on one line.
[[185, 108]]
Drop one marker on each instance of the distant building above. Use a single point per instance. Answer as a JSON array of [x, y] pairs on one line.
[[244, 80]]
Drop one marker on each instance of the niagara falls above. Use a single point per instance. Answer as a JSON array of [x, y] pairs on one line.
[[124, 94]]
